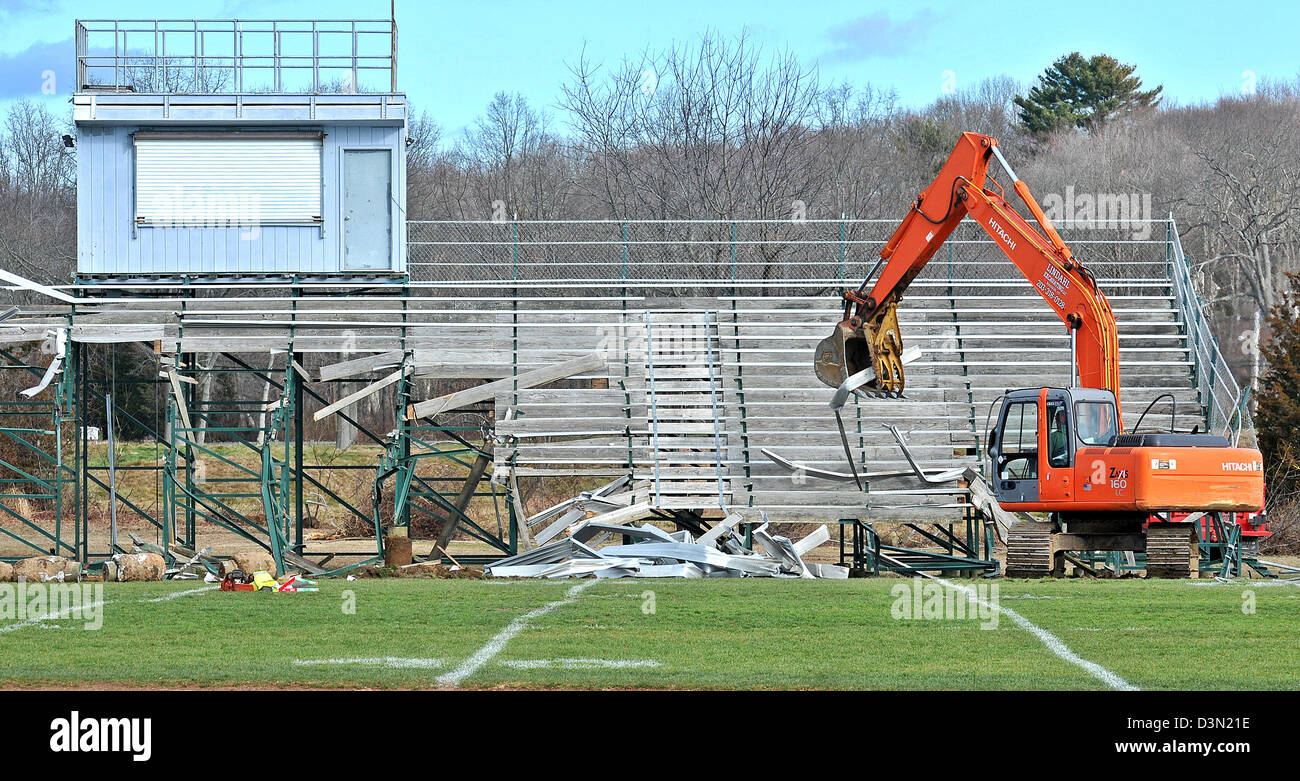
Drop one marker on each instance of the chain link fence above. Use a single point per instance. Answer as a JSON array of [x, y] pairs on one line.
[[716, 252]]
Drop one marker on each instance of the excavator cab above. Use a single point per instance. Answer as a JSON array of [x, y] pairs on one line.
[[1033, 446]]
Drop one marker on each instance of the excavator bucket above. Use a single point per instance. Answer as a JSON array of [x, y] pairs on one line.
[[841, 355], [874, 344]]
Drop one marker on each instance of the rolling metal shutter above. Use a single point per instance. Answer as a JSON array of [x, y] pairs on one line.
[[203, 180]]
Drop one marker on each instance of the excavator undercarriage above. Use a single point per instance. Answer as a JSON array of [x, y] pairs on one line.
[[1038, 549]]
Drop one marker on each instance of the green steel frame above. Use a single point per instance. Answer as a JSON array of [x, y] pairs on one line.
[[52, 477], [416, 442], [970, 553], [38, 493], [277, 445]]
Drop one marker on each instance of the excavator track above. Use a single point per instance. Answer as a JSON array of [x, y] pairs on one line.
[[1029, 550], [1171, 550]]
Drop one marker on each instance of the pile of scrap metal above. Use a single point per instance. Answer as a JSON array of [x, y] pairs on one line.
[[651, 552], [619, 502]]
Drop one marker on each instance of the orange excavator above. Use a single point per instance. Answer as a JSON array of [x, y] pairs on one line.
[[1060, 451]]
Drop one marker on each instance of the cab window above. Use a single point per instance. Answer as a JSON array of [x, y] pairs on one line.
[[1018, 456], [1096, 422], [1058, 434]]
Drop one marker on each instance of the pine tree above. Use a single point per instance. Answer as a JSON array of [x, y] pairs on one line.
[[1084, 93], [1277, 415]]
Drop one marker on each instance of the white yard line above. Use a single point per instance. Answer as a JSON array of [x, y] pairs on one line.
[[179, 594], [1245, 584], [1053, 643], [391, 662], [497, 644], [62, 614], [578, 664]]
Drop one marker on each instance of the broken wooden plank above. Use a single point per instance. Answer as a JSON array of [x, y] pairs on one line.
[[462, 501], [624, 515], [299, 562], [528, 379], [181, 408], [362, 365], [19, 334], [354, 397], [525, 538], [108, 334]]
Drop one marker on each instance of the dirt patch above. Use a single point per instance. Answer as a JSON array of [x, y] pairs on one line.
[[432, 571]]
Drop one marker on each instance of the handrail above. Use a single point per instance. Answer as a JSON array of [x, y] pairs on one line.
[[710, 326], [654, 402], [1217, 388]]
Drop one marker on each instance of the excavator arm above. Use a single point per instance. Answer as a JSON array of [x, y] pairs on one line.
[[869, 336]]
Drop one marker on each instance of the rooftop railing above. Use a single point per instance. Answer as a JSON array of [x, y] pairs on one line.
[[210, 56]]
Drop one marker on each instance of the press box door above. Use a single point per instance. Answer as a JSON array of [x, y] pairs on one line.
[[367, 210]]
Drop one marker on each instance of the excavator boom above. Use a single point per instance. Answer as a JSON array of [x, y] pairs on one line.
[[869, 336]]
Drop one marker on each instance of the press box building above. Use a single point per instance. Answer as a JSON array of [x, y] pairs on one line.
[[239, 148]]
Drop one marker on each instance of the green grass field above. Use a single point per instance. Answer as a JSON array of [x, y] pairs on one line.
[[741, 634]]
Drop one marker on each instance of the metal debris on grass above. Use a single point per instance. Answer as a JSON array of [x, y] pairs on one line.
[[651, 552]]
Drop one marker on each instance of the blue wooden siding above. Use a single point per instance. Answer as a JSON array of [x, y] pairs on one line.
[[108, 242]]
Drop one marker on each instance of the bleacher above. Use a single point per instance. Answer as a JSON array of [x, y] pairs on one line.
[[701, 376]]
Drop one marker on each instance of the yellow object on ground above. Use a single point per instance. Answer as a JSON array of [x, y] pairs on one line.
[[262, 579]]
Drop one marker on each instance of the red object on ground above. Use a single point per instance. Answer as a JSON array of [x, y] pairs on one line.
[[1252, 524]]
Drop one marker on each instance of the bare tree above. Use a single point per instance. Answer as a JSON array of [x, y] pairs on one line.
[[38, 219], [499, 147]]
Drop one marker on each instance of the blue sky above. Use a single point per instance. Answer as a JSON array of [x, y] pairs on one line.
[[455, 55]]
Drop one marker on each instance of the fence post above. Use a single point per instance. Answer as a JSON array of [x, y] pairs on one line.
[[514, 249], [159, 54], [198, 55], [239, 56], [733, 254], [843, 248], [1169, 250]]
